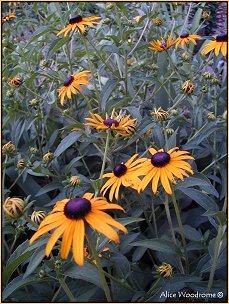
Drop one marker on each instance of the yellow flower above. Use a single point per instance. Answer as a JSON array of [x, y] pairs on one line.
[[10, 16], [8, 148], [69, 217], [74, 180], [157, 21], [72, 83], [13, 207], [38, 216], [123, 125], [21, 164], [48, 157], [160, 46], [78, 22], [188, 87], [160, 114], [165, 270], [123, 174], [218, 44], [164, 166], [15, 82], [185, 39]]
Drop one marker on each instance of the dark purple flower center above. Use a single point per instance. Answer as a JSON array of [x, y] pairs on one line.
[[164, 44], [75, 19], [184, 35], [119, 170], [221, 38], [160, 159], [77, 208], [109, 121], [68, 81]]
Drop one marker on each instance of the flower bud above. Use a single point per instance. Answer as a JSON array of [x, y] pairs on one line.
[[188, 87], [157, 21], [21, 164], [38, 216], [48, 157], [74, 180], [13, 207], [8, 148], [211, 116], [186, 56]]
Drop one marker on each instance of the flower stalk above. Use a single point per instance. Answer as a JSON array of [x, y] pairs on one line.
[[100, 269]]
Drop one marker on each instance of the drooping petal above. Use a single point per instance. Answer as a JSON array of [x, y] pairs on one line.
[[44, 230], [78, 242], [165, 182], [102, 227], [67, 240], [55, 236]]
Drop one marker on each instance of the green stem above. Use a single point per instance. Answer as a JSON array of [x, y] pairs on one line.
[[3, 178], [69, 58], [146, 216], [92, 73], [172, 230], [100, 269], [143, 299], [120, 282], [181, 229], [67, 290], [101, 58], [105, 154], [19, 175], [215, 256]]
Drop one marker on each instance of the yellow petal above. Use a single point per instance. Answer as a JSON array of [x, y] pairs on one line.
[[165, 182], [44, 230], [155, 180], [78, 242], [102, 227], [55, 236], [67, 240]]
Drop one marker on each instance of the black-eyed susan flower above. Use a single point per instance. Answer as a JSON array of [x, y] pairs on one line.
[[160, 114], [164, 166], [72, 83], [185, 38], [161, 45], [79, 22], [69, 217], [218, 44], [165, 270], [15, 82], [188, 87], [123, 174], [123, 125], [38, 216], [13, 207], [10, 16], [8, 148]]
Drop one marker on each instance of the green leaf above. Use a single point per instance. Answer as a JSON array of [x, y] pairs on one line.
[[40, 32], [190, 233], [107, 90], [200, 198], [158, 245], [55, 45], [49, 187], [129, 220], [19, 282], [201, 181], [88, 273], [35, 260], [97, 184], [20, 255], [65, 143]]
